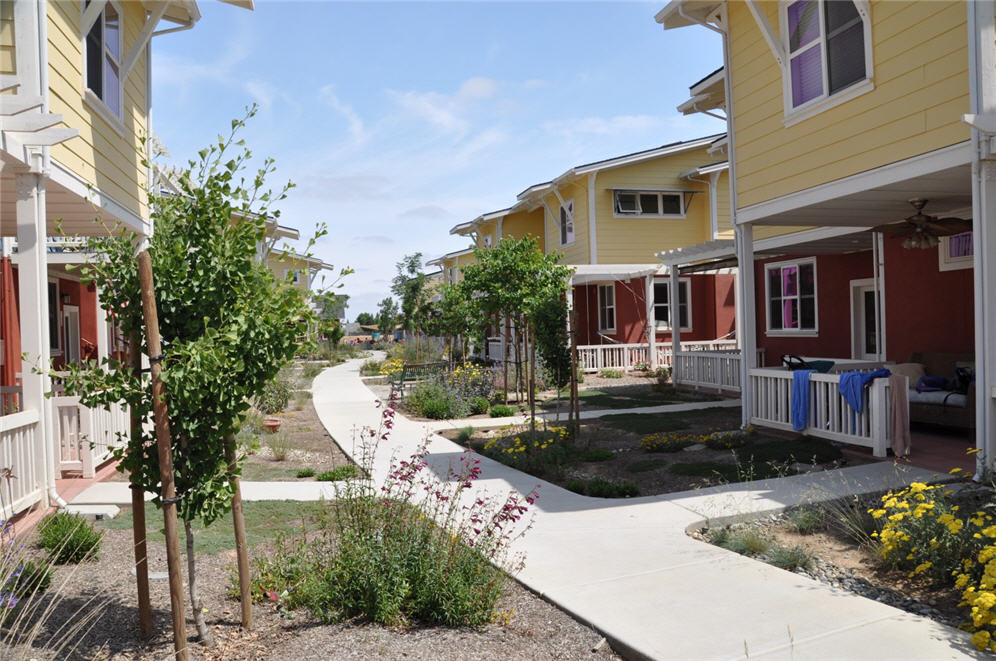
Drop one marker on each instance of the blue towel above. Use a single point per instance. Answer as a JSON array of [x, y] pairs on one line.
[[800, 399], [852, 387]]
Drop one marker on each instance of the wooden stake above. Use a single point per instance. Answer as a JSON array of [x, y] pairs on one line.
[[161, 416], [574, 416], [241, 548], [138, 510]]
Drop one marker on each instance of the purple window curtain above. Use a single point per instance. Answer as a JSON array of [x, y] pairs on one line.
[[807, 76], [790, 281], [804, 23], [960, 245]]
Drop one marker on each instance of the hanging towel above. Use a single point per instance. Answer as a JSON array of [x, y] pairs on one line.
[[900, 396], [852, 387], [800, 399]]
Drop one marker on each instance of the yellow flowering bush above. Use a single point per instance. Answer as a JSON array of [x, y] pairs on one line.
[[542, 453], [392, 368], [726, 439], [923, 531], [469, 380]]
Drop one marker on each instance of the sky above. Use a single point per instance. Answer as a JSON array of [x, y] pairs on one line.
[[397, 121]]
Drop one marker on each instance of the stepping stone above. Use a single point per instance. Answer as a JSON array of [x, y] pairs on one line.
[[153, 575], [94, 512]]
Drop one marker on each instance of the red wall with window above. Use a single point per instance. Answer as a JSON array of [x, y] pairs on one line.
[[713, 311], [833, 304], [926, 309]]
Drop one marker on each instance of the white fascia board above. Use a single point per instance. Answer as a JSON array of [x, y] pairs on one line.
[[705, 169], [494, 215], [935, 161], [641, 156], [463, 228], [702, 87], [672, 15], [773, 243]]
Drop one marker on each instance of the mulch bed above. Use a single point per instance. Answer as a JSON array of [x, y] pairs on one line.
[[534, 629]]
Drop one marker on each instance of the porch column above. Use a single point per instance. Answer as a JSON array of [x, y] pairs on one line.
[[103, 339], [651, 324], [982, 63], [746, 316], [32, 264], [674, 319]]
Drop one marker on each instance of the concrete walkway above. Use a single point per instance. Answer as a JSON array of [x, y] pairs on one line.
[[627, 567]]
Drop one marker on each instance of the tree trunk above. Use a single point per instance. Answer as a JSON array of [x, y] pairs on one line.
[[138, 510], [241, 547], [195, 599], [532, 378], [575, 407], [516, 341], [508, 331]]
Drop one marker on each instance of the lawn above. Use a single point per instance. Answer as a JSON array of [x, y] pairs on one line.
[[264, 520], [628, 397]]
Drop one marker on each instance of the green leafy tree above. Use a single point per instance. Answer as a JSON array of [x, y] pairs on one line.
[[387, 316], [410, 285], [453, 315], [365, 319], [227, 326]]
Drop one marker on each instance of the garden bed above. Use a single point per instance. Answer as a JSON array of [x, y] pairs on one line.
[[528, 626], [614, 450]]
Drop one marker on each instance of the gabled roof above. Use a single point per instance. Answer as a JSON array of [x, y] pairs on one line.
[[457, 253], [706, 169]]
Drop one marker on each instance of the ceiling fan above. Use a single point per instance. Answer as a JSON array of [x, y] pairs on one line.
[[921, 230]]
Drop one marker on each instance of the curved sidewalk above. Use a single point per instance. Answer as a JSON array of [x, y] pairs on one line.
[[627, 568]]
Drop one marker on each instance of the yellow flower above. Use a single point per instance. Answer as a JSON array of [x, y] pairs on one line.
[[981, 640]]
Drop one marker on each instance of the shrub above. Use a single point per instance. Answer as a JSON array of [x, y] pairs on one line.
[[338, 473], [728, 440], [641, 367], [600, 488], [465, 434], [805, 520], [542, 452], [301, 399], [306, 472], [470, 382], [371, 367], [479, 405], [645, 465], [68, 538], [311, 370], [745, 541], [275, 396], [433, 400], [280, 446], [31, 576], [610, 374], [598, 454], [501, 411], [663, 374], [789, 558]]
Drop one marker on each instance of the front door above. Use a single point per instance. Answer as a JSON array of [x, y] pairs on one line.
[[864, 334], [71, 332]]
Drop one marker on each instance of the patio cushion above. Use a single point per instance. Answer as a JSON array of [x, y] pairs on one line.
[[938, 397], [912, 370]]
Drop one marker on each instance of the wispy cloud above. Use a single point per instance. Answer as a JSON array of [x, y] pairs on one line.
[[346, 188], [430, 211], [605, 125], [447, 112], [357, 129]]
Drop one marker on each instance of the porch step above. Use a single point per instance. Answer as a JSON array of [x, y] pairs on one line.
[[95, 512]]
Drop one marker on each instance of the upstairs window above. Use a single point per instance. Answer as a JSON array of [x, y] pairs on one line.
[[791, 294], [828, 46], [103, 53], [649, 204], [567, 222], [662, 304], [607, 308]]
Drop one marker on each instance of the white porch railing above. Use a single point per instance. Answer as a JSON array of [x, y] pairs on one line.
[[85, 437], [710, 369], [594, 357], [830, 416], [20, 452]]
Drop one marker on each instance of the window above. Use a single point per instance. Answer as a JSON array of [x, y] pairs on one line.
[[567, 222], [54, 334], [607, 307], [662, 307], [828, 45], [653, 204], [956, 252], [487, 240], [791, 294], [293, 275], [103, 57]]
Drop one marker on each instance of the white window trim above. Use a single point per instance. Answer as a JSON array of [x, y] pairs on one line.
[[572, 237], [611, 287], [645, 191], [793, 332], [682, 282], [114, 118], [826, 100], [946, 263]]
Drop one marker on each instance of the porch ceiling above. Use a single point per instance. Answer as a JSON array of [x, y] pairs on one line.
[[847, 203], [77, 215]]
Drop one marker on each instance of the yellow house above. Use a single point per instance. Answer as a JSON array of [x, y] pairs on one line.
[[451, 264], [872, 123], [74, 107]]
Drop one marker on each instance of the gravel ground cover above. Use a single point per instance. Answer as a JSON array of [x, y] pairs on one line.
[[529, 627]]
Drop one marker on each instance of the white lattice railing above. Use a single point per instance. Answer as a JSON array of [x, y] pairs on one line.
[[594, 357], [710, 369], [20, 452], [85, 437], [829, 415]]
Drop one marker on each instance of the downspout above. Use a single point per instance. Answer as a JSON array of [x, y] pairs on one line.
[[592, 223]]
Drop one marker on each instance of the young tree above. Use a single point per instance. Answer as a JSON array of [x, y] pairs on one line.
[[410, 286], [227, 326], [387, 316]]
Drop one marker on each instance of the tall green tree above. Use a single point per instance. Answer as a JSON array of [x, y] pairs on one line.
[[227, 326], [366, 319], [387, 317], [410, 285]]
